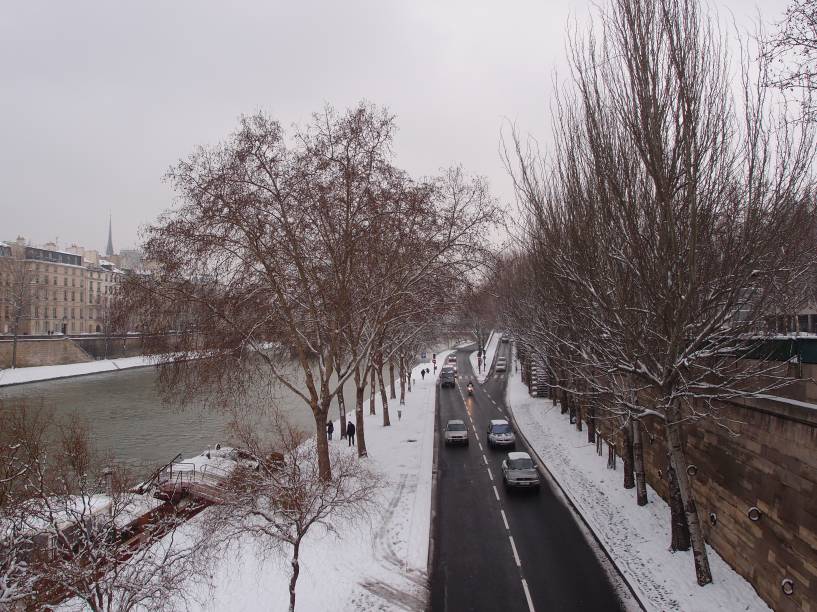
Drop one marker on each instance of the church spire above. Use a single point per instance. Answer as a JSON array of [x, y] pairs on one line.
[[109, 248]]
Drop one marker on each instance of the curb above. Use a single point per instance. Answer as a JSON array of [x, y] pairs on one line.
[[116, 368], [571, 506]]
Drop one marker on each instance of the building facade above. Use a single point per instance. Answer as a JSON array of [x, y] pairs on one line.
[[46, 291]]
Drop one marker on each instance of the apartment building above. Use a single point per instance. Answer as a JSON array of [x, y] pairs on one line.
[[54, 291]]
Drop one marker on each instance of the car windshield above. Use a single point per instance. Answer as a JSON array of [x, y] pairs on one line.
[[456, 427], [520, 464], [501, 429]]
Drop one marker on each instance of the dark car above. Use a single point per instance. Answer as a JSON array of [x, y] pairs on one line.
[[448, 377]]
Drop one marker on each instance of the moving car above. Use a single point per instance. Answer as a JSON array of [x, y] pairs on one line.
[[501, 365], [504, 338], [518, 470], [448, 377], [452, 362], [500, 434], [456, 432]]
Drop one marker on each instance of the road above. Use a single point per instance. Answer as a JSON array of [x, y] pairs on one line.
[[497, 550]]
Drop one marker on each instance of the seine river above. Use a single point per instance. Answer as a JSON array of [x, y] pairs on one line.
[[128, 418]]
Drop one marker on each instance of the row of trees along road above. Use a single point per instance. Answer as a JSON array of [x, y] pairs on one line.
[[314, 246], [674, 214]]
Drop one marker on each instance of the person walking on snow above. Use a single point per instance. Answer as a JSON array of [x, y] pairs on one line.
[[350, 433], [330, 428], [423, 374]]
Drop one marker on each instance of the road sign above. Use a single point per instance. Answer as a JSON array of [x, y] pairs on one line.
[[423, 355]]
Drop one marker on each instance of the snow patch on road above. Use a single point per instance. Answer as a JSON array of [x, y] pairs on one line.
[[635, 537]]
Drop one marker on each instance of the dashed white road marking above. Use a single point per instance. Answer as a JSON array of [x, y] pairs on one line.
[[485, 459], [527, 595], [496, 493], [515, 554], [504, 519], [480, 443], [490, 475]]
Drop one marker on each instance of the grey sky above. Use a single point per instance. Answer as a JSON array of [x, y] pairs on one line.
[[99, 98]]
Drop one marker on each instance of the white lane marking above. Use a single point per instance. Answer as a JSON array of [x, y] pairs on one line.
[[527, 595], [504, 519], [515, 554], [496, 493], [480, 443], [490, 475], [485, 459]]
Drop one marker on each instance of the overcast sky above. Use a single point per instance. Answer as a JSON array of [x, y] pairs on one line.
[[98, 99]]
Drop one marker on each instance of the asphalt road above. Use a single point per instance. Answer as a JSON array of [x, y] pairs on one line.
[[497, 550]]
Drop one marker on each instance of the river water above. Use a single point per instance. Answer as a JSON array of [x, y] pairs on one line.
[[128, 418]]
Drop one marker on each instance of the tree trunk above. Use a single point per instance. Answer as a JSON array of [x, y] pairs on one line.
[[678, 522], [565, 403], [293, 579], [360, 389], [342, 412], [591, 424], [372, 391], [578, 416], [324, 467], [627, 455], [611, 456], [408, 378], [678, 460], [638, 464], [393, 392], [383, 396], [14, 345], [402, 372]]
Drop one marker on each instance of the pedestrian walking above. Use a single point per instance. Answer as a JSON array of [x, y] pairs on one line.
[[350, 433], [330, 429], [423, 374]]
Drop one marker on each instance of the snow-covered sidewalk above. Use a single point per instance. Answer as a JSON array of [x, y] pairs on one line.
[[490, 352], [19, 376], [380, 565], [637, 538]]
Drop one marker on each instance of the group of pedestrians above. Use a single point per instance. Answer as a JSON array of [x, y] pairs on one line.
[[350, 431]]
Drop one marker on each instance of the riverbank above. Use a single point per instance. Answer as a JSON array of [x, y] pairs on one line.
[[377, 565], [636, 538], [20, 376]]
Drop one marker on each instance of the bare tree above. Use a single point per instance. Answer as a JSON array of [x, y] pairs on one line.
[[17, 292], [277, 503], [83, 541], [792, 54], [672, 218]]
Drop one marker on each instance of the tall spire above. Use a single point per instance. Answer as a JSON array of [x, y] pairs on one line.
[[109, 248]]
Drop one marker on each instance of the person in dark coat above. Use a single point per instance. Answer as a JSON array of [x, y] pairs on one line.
[[350, 433], [423, 374], [330, 428]]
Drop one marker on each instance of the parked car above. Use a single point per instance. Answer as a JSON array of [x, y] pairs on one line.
[[518, 470], [448, 377], [500, 434], [501, 365], [456, 432], [504, 338]]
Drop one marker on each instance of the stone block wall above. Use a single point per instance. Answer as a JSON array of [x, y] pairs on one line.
[[762, 454], [42, 351]]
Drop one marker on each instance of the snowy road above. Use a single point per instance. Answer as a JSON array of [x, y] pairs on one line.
[[495, 551]]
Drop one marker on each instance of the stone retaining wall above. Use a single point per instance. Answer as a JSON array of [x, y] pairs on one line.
[[42, 351]]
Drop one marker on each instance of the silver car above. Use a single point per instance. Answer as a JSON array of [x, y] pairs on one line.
[[518, 470], [456, 432], [501, 365], [500, 433]]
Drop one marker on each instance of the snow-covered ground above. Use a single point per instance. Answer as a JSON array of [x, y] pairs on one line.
[[637, 538], [18, 376], [379, 565], [490, 352]]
